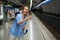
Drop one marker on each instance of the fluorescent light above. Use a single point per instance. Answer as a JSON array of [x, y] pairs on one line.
[[46, 1]]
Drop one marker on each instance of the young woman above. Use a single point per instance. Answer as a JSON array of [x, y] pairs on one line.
[[18, 25]]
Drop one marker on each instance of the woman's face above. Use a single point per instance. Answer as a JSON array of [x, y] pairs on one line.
[[26, 10]]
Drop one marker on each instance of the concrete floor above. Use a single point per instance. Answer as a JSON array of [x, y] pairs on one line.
[[37, 31]]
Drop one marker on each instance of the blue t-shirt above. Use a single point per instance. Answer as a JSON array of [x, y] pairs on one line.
[[16, 30]]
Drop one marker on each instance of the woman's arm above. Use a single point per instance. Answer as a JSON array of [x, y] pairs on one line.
[[22, 21]]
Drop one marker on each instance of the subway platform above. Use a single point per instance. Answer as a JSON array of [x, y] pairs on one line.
[[37, 30]]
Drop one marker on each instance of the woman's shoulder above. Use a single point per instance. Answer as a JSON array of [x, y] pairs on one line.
[[19, 15]]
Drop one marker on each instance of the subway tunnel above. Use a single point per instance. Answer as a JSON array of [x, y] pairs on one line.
[[44, 25]]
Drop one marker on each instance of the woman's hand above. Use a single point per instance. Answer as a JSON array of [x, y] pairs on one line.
[[23, 28], [29, 17]]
